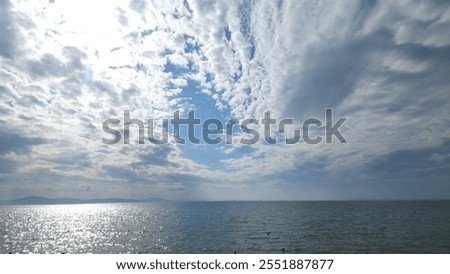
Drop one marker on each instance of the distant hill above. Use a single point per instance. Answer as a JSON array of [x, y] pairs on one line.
[[35, 200]]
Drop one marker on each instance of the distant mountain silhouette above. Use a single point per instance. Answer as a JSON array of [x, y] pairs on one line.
[[35, 200]]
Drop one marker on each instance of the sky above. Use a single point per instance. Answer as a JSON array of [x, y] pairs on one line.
[[67, 66]]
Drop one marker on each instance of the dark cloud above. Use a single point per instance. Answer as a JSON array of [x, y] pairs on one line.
[[10, 25], [8, 166], [4, 90], [31, 101], [157, 157], [12, 142], [407, 164], [334, 68], [332, 72], [7, 31], [406, 174], [72, 160], [47, 65], [5, 111], [131, 93], [73, 72], [75, 58], [120, 172]]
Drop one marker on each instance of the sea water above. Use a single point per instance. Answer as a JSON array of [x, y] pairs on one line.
[[228, 227]]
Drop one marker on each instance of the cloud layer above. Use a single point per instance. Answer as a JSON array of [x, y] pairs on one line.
[[66, 66]]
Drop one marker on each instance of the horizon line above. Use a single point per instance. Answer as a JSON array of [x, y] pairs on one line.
[[156, 199]]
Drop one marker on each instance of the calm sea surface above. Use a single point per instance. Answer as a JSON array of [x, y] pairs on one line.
[[225, 227]]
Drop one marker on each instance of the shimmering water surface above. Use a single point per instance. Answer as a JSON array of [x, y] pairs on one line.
[[225, 227]]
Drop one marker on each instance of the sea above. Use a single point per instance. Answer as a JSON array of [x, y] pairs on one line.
[[228, 227]]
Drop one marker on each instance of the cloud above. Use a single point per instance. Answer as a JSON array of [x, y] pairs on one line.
[[85, 188], [158, 156], [418, 162], [7, 44], [66, 67], [7, 166], [11, 142]]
